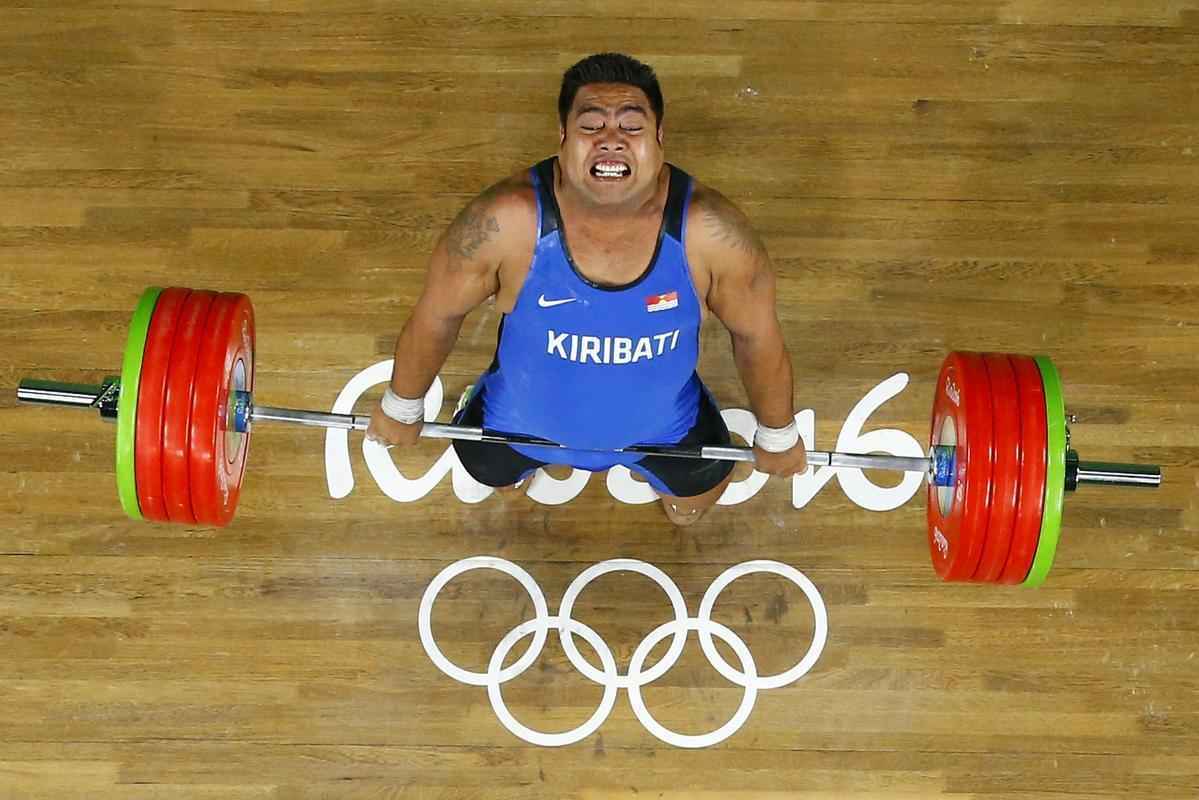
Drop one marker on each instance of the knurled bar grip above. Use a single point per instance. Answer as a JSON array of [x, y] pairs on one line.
[[437, 431]]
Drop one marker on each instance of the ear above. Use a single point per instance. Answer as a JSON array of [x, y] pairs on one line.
[[561, 135], [660, 132]]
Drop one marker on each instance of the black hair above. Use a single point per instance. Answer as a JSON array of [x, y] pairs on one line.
[[610, 68]]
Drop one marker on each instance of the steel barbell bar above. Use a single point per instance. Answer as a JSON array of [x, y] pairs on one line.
[[937, 466]]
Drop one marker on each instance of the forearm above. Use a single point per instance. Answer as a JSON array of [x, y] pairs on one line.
[[421, 350], [765, 368]]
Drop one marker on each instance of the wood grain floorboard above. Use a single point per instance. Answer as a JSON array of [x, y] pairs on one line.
[[1012, 175]]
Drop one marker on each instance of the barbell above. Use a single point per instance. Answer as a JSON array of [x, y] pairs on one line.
[[998, 467]]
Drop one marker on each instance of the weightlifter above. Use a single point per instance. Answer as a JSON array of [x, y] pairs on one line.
[[604, 261]]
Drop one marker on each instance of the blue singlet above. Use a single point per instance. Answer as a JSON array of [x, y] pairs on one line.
[[598, 367]]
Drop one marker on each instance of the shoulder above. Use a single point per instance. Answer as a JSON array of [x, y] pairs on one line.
[[719, 234], [515, 194], [715, 222], [502, 216], [512, 199]]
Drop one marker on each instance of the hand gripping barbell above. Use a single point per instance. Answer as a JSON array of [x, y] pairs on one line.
[[998, 467]]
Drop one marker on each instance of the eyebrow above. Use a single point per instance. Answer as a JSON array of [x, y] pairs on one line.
[[627, 107]]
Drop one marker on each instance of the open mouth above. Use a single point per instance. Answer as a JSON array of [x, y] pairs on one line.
[[610, 170]]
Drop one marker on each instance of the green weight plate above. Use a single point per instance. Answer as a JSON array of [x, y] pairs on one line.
[[1055, 473], [131, 370]]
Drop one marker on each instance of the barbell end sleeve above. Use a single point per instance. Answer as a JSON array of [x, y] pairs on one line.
[[102, 397], [55, 393], [1105, 473]]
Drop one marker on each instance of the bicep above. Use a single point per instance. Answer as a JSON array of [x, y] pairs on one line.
[[742, 289], [743, 299]]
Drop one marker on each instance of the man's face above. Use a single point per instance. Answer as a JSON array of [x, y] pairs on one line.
[[611, 145]]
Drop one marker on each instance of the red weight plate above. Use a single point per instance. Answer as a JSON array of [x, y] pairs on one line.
[[177, 406], [216, 451], [1005, 477], [152, 387], [958, 514], [1030, 506]]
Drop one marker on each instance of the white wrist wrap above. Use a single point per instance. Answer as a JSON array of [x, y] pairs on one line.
[[776, 440], [401, 409]]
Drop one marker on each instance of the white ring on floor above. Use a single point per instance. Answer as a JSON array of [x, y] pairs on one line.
[[609, 677]]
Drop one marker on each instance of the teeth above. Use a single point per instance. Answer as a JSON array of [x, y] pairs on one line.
[[611, 170]]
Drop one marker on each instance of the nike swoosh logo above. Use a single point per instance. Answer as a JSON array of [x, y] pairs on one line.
[[541, 301]]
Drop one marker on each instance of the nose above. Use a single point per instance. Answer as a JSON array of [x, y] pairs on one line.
[[612, 141]]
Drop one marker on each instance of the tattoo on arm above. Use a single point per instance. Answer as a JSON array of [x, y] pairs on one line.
[[738, 262], [471, 229], [727, 225]]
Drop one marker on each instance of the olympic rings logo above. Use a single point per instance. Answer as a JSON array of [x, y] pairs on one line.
[[609, 676]]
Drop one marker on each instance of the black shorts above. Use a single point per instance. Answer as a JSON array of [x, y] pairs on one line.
[[500, 465]]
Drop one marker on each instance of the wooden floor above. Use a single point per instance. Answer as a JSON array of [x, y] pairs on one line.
[[1016, 175]]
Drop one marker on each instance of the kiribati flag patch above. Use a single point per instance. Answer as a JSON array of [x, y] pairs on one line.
[[662, 302]]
